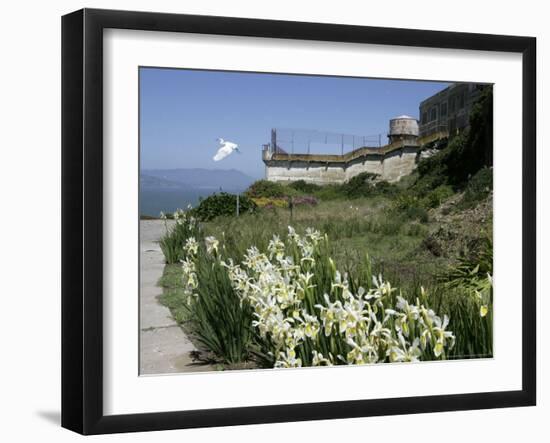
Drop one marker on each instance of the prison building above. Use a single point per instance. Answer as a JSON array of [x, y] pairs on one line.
[[288, 163], [296, 154], [448, 111]]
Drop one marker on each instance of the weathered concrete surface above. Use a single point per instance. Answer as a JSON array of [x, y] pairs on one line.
[[390, 165], [164, 347], [391, 162]]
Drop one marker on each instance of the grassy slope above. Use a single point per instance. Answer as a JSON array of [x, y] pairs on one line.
[[397, 245]]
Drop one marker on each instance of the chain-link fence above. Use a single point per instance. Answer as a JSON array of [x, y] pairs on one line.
[[306, 141]]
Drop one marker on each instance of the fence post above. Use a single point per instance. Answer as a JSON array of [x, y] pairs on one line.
[[291, 206], [238, 205], [273, 140]]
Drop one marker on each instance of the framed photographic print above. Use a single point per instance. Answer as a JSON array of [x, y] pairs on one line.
[[269, 221]]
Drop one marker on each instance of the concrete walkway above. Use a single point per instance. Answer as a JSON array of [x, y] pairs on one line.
[[164, 348]]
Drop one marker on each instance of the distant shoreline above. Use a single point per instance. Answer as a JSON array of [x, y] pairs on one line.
[[153, 201]]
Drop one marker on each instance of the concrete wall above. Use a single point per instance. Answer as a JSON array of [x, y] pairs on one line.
[[372, 164], [397, 164], [391, 166], [321, 174]]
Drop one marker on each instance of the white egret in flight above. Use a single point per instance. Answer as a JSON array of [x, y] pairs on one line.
[[226, 148]]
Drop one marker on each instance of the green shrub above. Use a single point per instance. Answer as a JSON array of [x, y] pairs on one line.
[[478, 188], [267, 189], [305, 187], [360, 186], [222, 204], [417, 213], [434, 198], [433, 171], [465, 153], [477, 150], [410, 206], [405, 200], [365, 184], [385, 188]]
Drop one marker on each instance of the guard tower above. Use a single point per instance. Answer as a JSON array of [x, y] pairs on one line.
[[403, 129]]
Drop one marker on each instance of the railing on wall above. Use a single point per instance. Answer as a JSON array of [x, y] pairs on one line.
[[426, 129], [307, 141]]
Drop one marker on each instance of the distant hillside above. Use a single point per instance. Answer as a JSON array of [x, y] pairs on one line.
[[198, 178], [151, 182]]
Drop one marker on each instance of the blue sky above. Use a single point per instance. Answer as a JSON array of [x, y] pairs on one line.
[[184, 111]]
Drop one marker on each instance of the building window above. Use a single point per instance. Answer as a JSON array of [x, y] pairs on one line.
[[433, 114], [452, 104], [462, 100], [424, 118], [443, 109]]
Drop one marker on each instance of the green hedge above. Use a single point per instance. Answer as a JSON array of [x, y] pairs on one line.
[[269, 189], [222, 204]]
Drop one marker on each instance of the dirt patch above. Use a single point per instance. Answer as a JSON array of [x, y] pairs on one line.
[[459, 233]]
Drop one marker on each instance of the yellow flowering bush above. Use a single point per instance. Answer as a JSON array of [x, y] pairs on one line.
[[275, 202]]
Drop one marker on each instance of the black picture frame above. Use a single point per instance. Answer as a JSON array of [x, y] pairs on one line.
[[82, 217]]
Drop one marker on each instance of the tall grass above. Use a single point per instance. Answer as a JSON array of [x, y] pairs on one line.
[[339, 221], [220, 320], [176, 235], [467, 294]]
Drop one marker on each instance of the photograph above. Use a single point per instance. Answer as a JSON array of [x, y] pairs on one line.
[[292, 221], [260, 222]]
